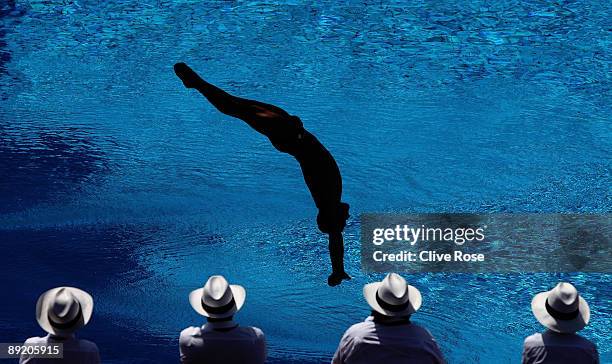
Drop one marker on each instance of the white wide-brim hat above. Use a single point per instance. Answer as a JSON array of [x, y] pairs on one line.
[[218, 298], [392, 296], [561, 309], [63, 310]]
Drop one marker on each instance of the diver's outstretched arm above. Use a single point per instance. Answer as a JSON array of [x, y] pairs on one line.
[[258, 115], [336, 254]]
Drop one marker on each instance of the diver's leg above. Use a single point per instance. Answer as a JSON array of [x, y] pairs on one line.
[[336, 254], [262, 117]]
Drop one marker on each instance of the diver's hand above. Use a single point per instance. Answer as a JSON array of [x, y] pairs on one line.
[[187, 75], [336, 278]]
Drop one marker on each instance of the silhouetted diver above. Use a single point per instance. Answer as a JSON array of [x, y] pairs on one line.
[[288, 135]]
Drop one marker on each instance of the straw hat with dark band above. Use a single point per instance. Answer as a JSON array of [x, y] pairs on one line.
[[393, 296], [217, 299], [561, 309], [63, 310]]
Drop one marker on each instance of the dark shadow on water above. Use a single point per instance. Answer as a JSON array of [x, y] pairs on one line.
[[53, 164], [10, 11], [6, 8], [101, 260], [96, 259]]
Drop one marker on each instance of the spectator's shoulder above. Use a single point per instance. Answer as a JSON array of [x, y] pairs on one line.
[[36, 340], [586, 342], [417, 331], [534, 340], [88, 346], [358, 330], [421, 330], [189, 333], [257, 332]]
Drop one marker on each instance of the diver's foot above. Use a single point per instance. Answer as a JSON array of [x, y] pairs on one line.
[[187, 75], [335, 278]]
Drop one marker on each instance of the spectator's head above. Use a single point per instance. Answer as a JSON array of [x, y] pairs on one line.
[[561, 309], [393, 297], [63, 310], [217, 300]]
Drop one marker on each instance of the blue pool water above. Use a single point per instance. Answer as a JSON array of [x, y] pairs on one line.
[[116, 179]]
